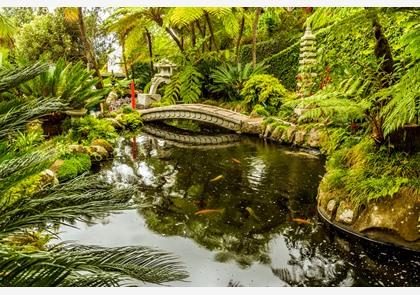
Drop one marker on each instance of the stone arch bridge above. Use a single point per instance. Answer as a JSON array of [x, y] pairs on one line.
[[205, 113]]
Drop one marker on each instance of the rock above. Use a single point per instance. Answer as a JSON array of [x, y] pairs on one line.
[[398, 214], [346, 213], [56, 165], [103, 143], [268, 130], [331, 205], [289, 135], [48, 178], [77, 148], [313, 138], [97, 150], [299, 137], [277, 133]]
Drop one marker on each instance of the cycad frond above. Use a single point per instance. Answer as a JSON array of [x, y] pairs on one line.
[[10, 78], [15, 114], [80, 199], [15, 169], [72, 265], [71, 83]]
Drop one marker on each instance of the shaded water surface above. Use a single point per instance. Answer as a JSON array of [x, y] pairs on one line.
[[243, 215]]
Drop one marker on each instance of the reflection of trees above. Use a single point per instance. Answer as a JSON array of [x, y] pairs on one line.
[[321, 257], [253, 194], [278, 188]]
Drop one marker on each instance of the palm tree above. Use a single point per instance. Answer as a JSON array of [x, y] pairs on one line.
[[84, 198]]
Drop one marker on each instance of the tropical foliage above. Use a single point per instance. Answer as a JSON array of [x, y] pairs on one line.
[[27, 214], [71, 83]]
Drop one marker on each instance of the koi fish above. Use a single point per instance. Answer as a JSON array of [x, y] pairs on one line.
[[236, 161], [300, 221], [217, 178], [207, 211], [252, 213]]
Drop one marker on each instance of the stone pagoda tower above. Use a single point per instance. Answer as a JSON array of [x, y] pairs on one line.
[[307, 64]]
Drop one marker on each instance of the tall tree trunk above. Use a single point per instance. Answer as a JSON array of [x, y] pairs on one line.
[[149, 45], [192, 28], [203, 34], [175, 38], [254, 35], [88, 48], [241, 31], [212, 39], [123, 56], [383, 51]]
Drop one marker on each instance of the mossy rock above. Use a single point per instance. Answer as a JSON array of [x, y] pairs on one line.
[[98, 153], [73, 166], [299, 138], [56, 165], [313, 138], [103, 143], [399, 214], [78, 149]]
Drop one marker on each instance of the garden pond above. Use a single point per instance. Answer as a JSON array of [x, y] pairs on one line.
[[239, 214]]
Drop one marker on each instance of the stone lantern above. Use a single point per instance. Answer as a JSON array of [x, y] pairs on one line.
[[307, 64], [165, 69]]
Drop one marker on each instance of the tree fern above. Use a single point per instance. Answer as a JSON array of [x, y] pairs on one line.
[[404, 106], [172, 90], [190, 81], [184, 86]]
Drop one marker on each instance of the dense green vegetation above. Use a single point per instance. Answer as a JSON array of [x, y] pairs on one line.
[[364, 98]]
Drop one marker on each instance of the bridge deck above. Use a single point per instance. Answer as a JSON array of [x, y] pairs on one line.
[[204, 113]]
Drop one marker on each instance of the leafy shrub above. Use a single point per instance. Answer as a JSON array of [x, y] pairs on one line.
[[265, 90], [229, 79], [131, 121], [25, 188], [25, 141], [73, 166], [127, 109], [260, 111], [364, 173], [89, 128]]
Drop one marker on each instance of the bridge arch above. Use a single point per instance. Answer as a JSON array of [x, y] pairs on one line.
[[204, 113]]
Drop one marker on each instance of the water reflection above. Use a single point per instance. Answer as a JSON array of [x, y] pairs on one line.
[[253, 206]]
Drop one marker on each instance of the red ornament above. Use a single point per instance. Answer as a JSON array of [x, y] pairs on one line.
[[133, 96]]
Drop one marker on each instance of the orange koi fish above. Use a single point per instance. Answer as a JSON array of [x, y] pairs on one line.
[[207, 211]]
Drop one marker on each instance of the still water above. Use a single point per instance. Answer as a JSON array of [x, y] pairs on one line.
[[242, 214]]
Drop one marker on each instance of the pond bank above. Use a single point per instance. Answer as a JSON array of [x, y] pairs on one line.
[[393, 221]]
